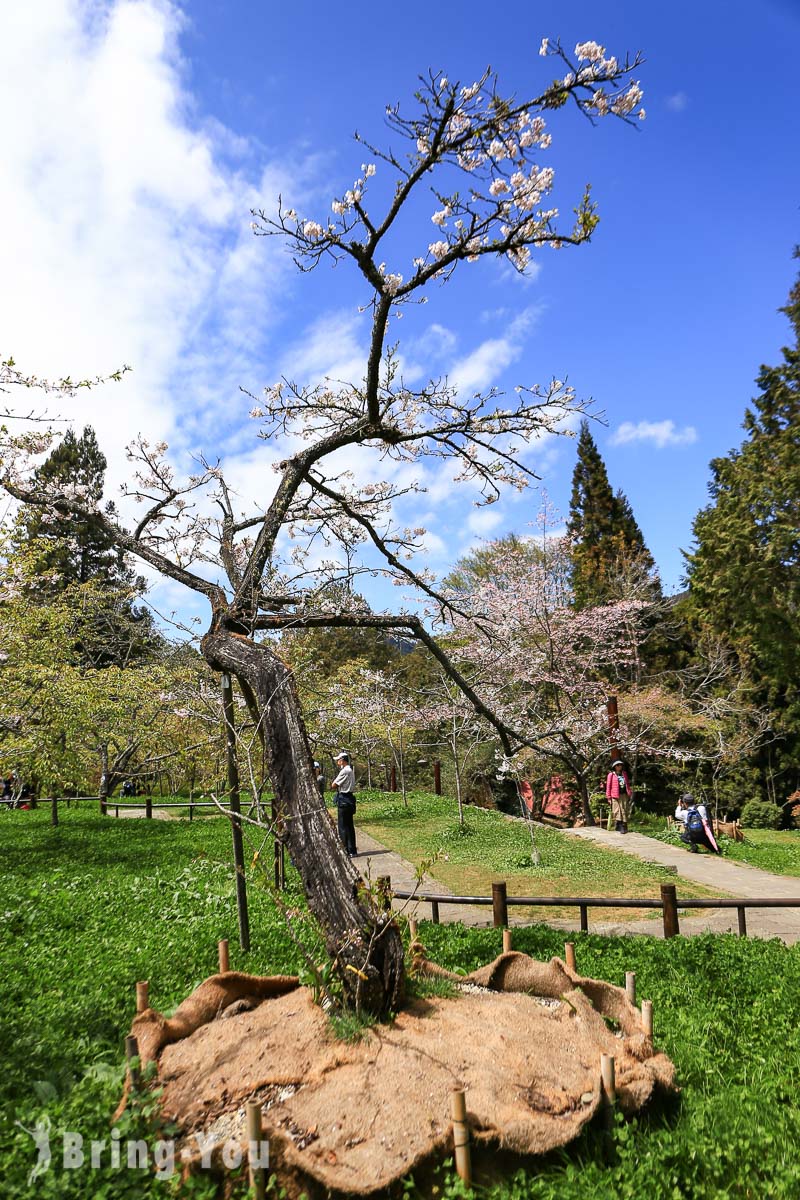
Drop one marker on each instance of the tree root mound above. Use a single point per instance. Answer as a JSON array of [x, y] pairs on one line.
[[523, 1038]]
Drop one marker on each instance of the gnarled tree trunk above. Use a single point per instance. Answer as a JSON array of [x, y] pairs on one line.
[[364, 942]]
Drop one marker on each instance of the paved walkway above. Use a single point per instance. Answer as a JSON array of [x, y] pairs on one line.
[[736, 879]]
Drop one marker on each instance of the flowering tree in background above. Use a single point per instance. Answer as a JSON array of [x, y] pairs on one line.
[[479, 158], [546, 667]]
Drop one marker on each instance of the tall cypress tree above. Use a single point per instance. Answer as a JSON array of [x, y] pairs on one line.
[[609, 550], [744, 571]]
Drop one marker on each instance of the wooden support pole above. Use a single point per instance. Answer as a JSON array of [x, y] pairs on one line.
[[500, 904], [647, 1018], [393, 779], [255, 1133], [458, 1110], [506, 941], [437, 777], [569, 956], [584, 911], [280, 864], [229, 721], [142, 1000], [435, 911], [608, 1090], [412, 929], [741, 912], [669, 900], [132, 1052], [608, 1079], [54, 811], [148, 806], [630, 986], [224, 959]]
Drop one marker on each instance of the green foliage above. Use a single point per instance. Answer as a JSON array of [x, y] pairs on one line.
[[88, 908], [96, 904], [609, 552], [760, 814], [744, 570]]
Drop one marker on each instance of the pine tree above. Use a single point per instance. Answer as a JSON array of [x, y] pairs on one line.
[[72, 552], [744, 571], [73, 549], [609, 552]]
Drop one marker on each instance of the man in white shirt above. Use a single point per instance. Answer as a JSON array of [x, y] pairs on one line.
[[697, 830], [344, 787]]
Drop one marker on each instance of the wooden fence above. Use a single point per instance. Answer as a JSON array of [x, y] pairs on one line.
[[668, 903]]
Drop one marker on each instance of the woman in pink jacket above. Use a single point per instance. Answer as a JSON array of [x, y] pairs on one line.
[[618, 792]]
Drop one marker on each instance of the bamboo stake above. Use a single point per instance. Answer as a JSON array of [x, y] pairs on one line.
[[647, 1017], [506, 941], [142, 1001], [412, 929], [458, 1109], [608, 1089], [569, 956], [224, 961], [255, 1132], [630, 986], [608, 1079]]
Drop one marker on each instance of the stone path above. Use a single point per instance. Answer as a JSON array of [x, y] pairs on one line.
[[736, 879]]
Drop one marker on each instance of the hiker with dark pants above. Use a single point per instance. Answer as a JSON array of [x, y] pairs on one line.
[[696, 827], [344, 787]]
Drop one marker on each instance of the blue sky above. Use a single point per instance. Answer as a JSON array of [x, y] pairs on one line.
[[137, 135]]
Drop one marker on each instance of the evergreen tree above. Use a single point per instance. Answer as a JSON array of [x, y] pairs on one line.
[[744, 571], [609, 552], [73, 551]]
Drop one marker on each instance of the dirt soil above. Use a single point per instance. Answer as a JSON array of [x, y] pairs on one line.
[[523, 1038]]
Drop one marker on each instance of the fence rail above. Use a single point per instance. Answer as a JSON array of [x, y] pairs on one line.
[[668, 903]]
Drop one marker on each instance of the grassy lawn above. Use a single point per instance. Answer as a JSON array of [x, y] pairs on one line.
[[492, 846], [776, 850], [94, 905]]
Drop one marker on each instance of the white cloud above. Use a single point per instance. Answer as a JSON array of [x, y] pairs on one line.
[[484, 520], [126, 232], [677, 102], [660, 433], [482, 368]]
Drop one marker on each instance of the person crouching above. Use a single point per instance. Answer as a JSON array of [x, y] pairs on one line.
[[696, 826]]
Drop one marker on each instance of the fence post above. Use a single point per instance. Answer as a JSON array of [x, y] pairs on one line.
[[437, 778], [393, 779], [584, 911], [500, 904], [669, 900], [435, 912], [741, 913], [54, 811], [148, 806]]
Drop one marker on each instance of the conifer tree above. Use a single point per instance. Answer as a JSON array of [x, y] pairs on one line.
[[75, 548], [609, 551], [70, 551], [744, 570]]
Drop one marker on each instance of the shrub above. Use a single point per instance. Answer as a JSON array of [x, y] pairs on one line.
[[760, 814]]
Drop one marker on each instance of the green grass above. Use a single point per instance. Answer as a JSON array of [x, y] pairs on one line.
[[96, 904], [492, 846], [88, 909], [772, 850]]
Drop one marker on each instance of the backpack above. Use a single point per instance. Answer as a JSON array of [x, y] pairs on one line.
[[694, 822]]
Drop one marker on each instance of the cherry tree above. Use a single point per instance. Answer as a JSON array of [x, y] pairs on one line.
[[473, 161], [544, 666]]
